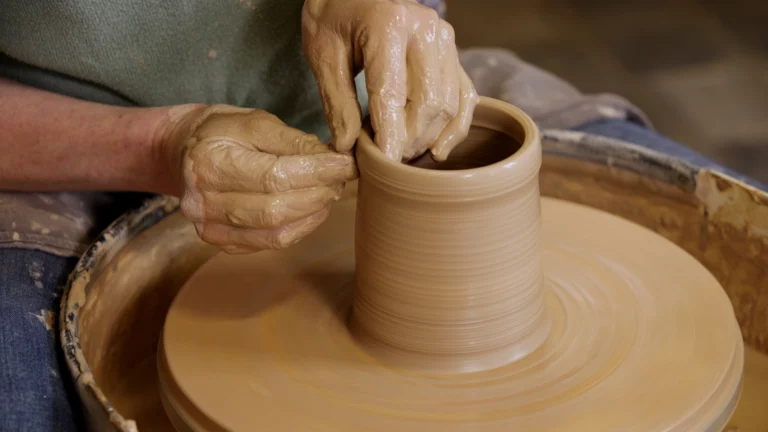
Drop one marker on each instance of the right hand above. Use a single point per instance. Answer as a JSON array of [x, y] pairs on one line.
[[249, 182], [420, 98]]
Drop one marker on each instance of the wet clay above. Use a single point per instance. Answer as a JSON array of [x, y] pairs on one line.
[[420, 97], [438, 288], [568, 318], [248, 181]]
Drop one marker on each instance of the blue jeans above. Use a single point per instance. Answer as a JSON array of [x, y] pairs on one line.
[[636, 134], [35, 392]]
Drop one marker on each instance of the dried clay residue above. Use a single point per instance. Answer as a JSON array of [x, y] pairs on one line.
[[46, 318], [36, 273], [742, 206]]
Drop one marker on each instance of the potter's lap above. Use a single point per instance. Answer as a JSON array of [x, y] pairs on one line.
[[34, 395]]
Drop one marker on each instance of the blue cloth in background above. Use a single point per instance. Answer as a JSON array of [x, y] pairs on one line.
[[637, 134]]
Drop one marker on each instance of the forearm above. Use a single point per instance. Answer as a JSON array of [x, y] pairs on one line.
[[52, 142]]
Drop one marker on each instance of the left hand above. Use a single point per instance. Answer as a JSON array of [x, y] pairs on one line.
[[247, 181], [420, 98]]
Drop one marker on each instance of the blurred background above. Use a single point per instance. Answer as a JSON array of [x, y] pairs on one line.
[[698, 68]]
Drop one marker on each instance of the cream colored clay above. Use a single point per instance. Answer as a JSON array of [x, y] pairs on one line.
[[637, 335], [419, 96]]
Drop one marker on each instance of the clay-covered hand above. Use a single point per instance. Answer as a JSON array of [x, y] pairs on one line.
[[420, 98], [248, 181]]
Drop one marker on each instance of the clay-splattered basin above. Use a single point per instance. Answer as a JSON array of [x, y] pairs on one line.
[[115, 304]]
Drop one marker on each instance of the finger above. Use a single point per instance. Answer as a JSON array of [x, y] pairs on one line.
[[266, 211], [258, 130], [232, 168], [424, 82], [242, 240], [287, 141], [450, 86], [332, 64], [384, 56], [457, 129]]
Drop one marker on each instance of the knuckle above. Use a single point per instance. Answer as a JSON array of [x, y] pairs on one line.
[[447, 32], [390, 13], [389, 99], [449, 109], [277, 179], [474, 98], [273, 214], [432, 104], [426, 14]]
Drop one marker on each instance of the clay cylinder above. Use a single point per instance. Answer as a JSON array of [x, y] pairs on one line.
[[448, 267]]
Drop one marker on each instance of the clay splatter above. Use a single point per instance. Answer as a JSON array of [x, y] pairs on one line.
[[16, 236], [212, 54], [36, 270], [46, 318], [36, 273]]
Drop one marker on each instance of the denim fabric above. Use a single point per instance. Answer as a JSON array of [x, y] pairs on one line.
[[636, 134], [35, 390]]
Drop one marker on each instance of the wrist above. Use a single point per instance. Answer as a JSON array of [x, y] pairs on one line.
[[167, 143]]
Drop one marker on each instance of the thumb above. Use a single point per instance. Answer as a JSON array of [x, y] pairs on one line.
[[331, 62]]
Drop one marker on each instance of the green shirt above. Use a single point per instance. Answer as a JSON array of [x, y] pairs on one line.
[[165, 52]]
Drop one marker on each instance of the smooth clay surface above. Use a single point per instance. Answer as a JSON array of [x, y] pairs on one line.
[[438, 289], [632, 333], [751, 415]]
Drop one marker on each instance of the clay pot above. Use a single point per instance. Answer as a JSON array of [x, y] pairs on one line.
[[470, 300]]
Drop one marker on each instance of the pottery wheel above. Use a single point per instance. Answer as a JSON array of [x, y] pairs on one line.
[[639, 342]]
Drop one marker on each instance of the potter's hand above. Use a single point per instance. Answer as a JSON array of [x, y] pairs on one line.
[[420, 98], [249, 182]]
